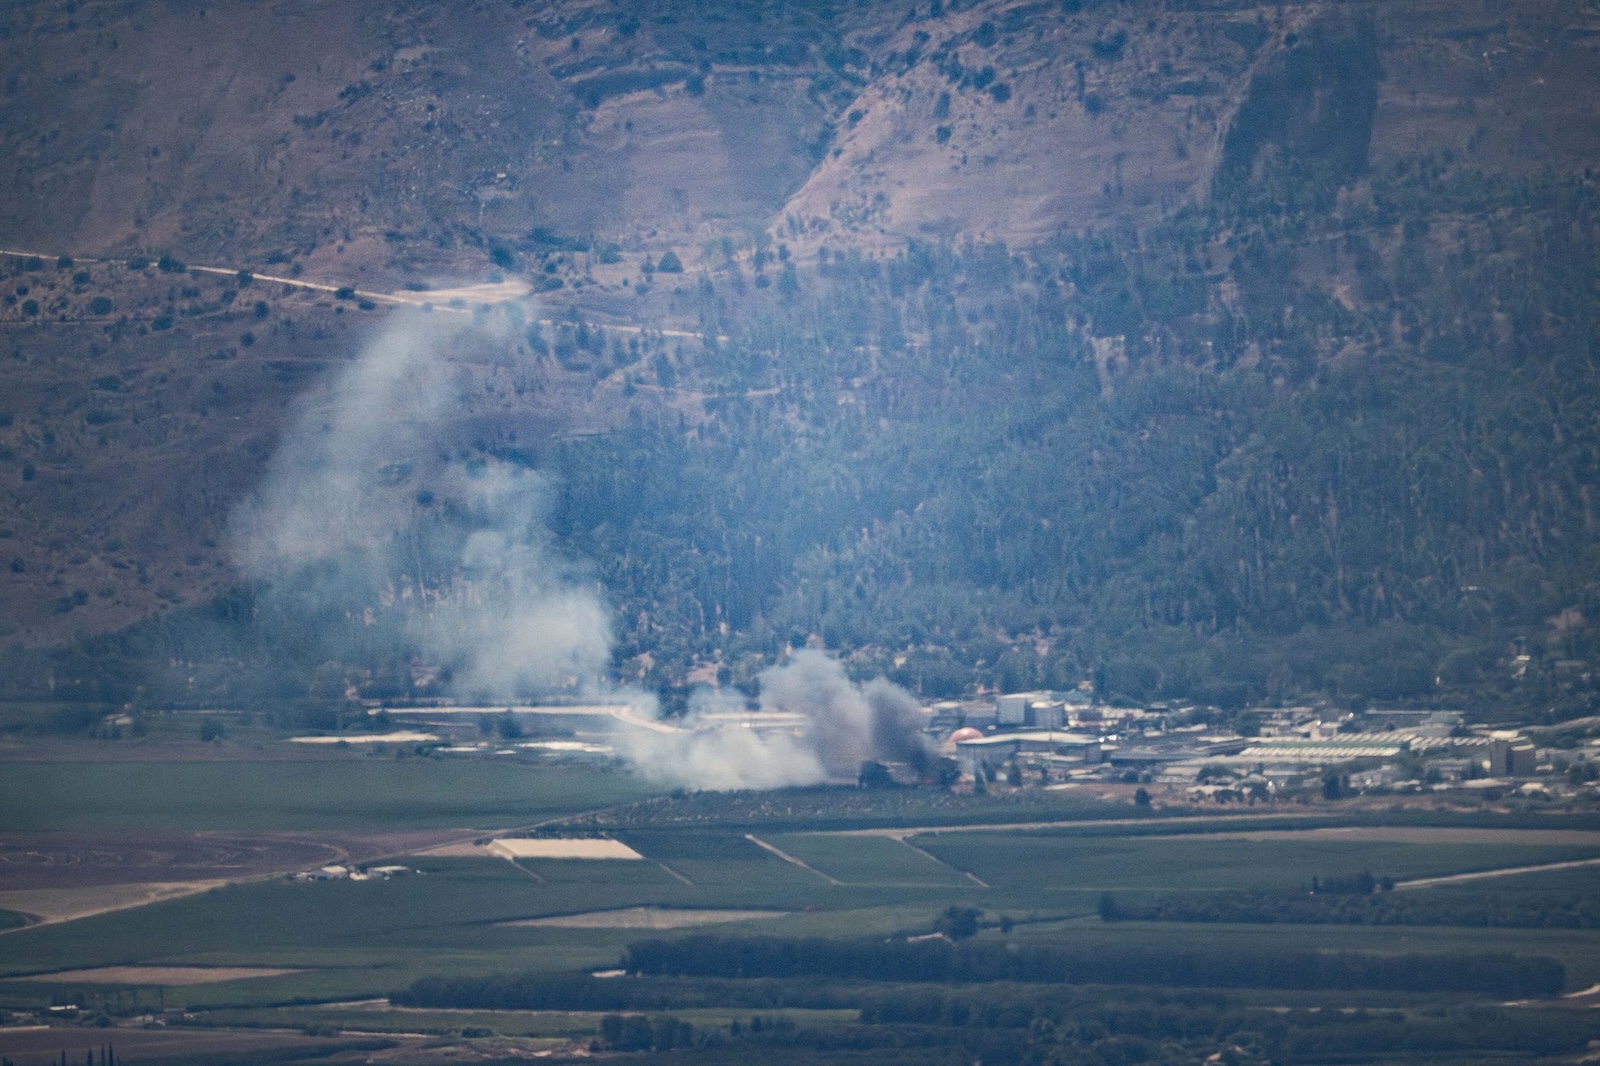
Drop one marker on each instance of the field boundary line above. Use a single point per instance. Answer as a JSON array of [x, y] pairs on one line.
[[900, 831], [672, 872], [968, 874], [517, 865], [786, 857], [1504, 871]]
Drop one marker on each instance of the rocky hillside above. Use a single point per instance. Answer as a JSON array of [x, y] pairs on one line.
[[362, 141], [1181, 349]]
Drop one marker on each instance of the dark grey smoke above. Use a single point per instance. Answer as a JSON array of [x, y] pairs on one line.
[[849, 723], [845, 724], [897, 723]]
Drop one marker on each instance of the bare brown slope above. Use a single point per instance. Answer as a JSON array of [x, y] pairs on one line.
[[372, 144], [383, 139], [1012, 120], [128, 437], [1008, 122], [387, 136]]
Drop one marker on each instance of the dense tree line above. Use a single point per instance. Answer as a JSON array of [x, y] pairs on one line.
[[584, 993], [1567, 911], [1005, 1022], [940, 960]]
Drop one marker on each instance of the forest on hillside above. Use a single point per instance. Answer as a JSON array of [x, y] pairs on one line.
[[1330, 433], [1257, 452], [1316, 437]]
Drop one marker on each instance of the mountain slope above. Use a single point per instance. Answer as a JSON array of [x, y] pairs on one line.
[[1219, 353]]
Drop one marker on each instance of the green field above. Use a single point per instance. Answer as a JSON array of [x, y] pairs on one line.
[[335, 792], [1048, 863], [725, 861], [868, 860], [351, 941], [358, 939]]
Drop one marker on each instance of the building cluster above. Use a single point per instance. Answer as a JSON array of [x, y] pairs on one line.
[[1056, 739], [351, 873]]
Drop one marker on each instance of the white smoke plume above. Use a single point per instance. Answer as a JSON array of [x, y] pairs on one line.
[[368, 526], [715, 749], [324, 491], [362, 513]]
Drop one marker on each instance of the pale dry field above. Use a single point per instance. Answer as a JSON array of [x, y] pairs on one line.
[[46, 905], [157, 975], [594, 848]]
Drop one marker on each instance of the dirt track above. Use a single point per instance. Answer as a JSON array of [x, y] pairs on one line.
[[1508, 871]]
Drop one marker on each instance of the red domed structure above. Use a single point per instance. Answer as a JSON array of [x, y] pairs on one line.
[[966, 732]]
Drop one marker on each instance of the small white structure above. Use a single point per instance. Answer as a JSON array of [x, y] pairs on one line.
[[404, 736], [387, 872]]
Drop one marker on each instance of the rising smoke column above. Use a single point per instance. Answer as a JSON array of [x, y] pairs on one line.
[[845, 725], [339, 528], [722, 756]]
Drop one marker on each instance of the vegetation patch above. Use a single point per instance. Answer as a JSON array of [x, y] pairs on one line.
[[940, 960]]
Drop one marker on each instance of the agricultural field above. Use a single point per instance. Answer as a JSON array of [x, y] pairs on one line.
[[868, 860], [492, 948], [1044, 862], [330, 792]]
